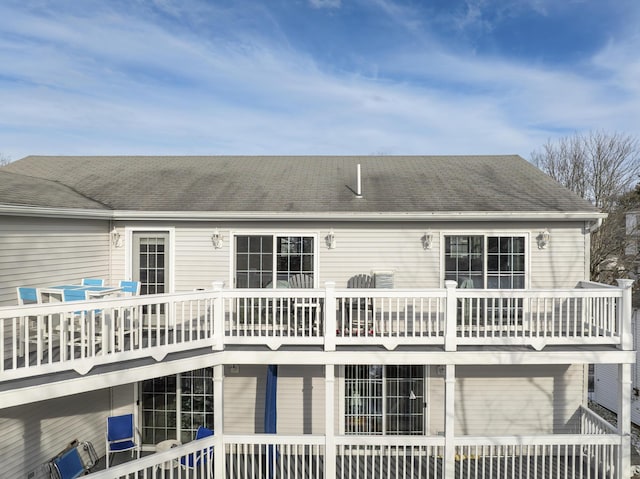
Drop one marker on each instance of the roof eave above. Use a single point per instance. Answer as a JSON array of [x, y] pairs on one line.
[[48, 212], [358, 216], [123, 215]]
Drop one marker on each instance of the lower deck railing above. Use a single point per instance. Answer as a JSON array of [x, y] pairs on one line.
[[45, 338], [303, 457]]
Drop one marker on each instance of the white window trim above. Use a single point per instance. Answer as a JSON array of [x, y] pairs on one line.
[[128, 255], [232, 250], [511, 233]]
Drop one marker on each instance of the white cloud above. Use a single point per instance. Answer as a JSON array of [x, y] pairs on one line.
[[121, 84], [325, 3]]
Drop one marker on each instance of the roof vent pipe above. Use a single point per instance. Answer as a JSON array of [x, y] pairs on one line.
[[358, 182]]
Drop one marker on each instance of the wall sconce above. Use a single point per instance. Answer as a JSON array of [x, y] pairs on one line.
[[116, 239], [216, 239], [330, 239], [543, 239], [427, 240]]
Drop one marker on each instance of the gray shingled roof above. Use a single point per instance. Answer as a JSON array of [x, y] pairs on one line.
[[287, 184]]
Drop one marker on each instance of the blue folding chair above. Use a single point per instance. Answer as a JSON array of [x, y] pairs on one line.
[[197, 460], [121, 435], [92, 282], [130, 287], [28, 296], [70, 463]]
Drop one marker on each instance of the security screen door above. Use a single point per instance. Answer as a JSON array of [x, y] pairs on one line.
[[384, 400]]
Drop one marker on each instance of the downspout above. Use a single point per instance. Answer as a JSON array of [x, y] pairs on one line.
[[594, 226], [590, 228]]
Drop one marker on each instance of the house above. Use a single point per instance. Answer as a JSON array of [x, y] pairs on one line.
[[606, 375], [325, 316]]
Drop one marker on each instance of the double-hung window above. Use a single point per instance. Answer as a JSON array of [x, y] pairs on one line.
[[487, 262], [269, 261], [491, 261]]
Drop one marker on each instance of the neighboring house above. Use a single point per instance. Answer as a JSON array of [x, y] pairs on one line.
[[252, 262], [606, 375]]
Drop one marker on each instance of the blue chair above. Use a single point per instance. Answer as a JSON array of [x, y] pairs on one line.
[[70, 463], [197, 460], [130, 288], [28, 296], [89, 317], [121, 436], [92, 282]]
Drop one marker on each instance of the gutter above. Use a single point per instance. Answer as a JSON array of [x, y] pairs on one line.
[[450, 216]]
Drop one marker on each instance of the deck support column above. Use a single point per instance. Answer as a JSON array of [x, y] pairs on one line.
[[625, 380], [330, 316], [449, 421], [624, 420], [218, 316], [329, 422], [219, 465]]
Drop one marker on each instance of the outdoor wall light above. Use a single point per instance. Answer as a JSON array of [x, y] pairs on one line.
[[543, 239], [216, 239], [330, 239], [116, 239], [427, 240]]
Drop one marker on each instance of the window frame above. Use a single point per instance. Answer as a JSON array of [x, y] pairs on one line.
[[526, 235], [175, 416], [282, 234]]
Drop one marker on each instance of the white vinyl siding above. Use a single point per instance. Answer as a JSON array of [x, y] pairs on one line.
[[506, 400], [365, 248], [300, 399], [34, 433], [38, 252]]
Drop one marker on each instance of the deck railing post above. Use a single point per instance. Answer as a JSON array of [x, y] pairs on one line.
[[624, 379], [449, 421], [451, 316], [219, 465], [624, 315], [218, 316], [329, 424], [330, 316]]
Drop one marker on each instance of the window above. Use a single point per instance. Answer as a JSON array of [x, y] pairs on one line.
[[174, 406], [501, 265], [383, 400], [255, 265]]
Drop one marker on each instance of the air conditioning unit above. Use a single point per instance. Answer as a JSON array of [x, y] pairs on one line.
[[383, 279]]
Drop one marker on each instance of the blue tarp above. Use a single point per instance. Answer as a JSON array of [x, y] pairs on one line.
[[271, 413], [270, 400]]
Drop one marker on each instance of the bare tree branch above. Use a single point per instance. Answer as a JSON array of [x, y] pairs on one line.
[[602, 168]]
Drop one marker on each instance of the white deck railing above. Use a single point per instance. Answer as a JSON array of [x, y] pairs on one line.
[[565, 456], [39, 339]]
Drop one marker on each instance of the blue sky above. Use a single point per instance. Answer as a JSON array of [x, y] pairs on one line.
[[192, 77]]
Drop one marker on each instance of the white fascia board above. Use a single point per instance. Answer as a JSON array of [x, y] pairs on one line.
[[47, 387], [454, 216], [357, 216], [41, 211]]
